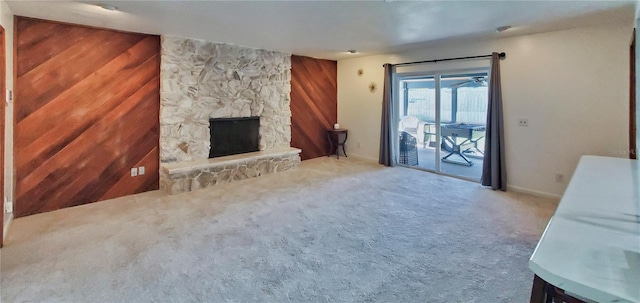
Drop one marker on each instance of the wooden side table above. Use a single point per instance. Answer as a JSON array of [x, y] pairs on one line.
[[335, 141]]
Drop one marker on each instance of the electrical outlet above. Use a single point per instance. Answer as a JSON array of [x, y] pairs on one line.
[[559, 178], [134, 171], [523, 122], [8, 207], [141, 170]]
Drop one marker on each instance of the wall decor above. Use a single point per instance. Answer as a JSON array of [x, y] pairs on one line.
[[372, 87], [360, 72]]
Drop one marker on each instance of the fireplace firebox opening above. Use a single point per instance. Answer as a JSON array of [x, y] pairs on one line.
[[230, 136]]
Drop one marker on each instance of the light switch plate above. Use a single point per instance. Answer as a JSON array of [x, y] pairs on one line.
[[134, 171], [141, 170]]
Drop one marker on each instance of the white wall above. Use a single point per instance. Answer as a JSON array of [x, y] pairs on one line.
[[6, 20], [572, 85]]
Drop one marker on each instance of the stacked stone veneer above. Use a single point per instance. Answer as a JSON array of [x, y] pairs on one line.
[[202, 80]]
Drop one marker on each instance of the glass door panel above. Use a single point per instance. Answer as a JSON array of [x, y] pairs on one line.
[[417, 128], [463, 114]]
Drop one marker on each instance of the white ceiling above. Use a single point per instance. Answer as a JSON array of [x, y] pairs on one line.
[[327, 29]]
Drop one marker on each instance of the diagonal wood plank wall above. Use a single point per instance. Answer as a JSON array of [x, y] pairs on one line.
[[87, 107], [314, 105], [3, 86]]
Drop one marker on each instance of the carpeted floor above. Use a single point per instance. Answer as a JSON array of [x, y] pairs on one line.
[[330, 231], [427, 159]]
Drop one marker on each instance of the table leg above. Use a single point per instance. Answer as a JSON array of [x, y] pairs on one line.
[[456, 149], [330, 144], [343, 142], [475, 146], [538, 293]]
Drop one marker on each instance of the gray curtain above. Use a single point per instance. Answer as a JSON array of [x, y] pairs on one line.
[[494, 172], [387, 127]]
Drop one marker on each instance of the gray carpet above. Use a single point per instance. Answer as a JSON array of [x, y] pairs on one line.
[[330, 231]]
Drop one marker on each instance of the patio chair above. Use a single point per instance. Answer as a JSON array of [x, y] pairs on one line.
[[410, 124], [408, 149]]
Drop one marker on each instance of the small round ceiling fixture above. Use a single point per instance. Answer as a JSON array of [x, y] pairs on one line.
[[108, 7], [502, 28], [352, 51]]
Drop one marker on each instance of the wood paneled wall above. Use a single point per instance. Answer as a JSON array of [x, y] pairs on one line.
[[3, 87], [633, 122], [314, 105], [87, 107]]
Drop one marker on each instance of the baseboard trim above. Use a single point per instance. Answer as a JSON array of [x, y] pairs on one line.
[[513, 188], [533, 192], [363, 158], [6, 226]]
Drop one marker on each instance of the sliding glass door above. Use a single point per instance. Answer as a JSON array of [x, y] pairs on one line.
[[442, 120]]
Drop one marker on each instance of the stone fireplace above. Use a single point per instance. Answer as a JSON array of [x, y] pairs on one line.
[[202, 80]]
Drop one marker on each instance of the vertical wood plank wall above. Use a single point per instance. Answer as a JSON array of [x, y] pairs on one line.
[[314, 105], [87, 107]]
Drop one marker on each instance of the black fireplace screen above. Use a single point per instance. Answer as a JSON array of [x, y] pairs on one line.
[[230, 136]]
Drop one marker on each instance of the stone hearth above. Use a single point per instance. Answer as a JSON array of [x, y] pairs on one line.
[[187, 176]]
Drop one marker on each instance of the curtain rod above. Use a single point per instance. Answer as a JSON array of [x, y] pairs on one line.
[[500, 55]]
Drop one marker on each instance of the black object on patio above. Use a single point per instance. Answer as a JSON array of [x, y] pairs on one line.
[[408, 149]]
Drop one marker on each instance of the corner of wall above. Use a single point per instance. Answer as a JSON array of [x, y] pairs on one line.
[[7, 223], [6, 20]]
